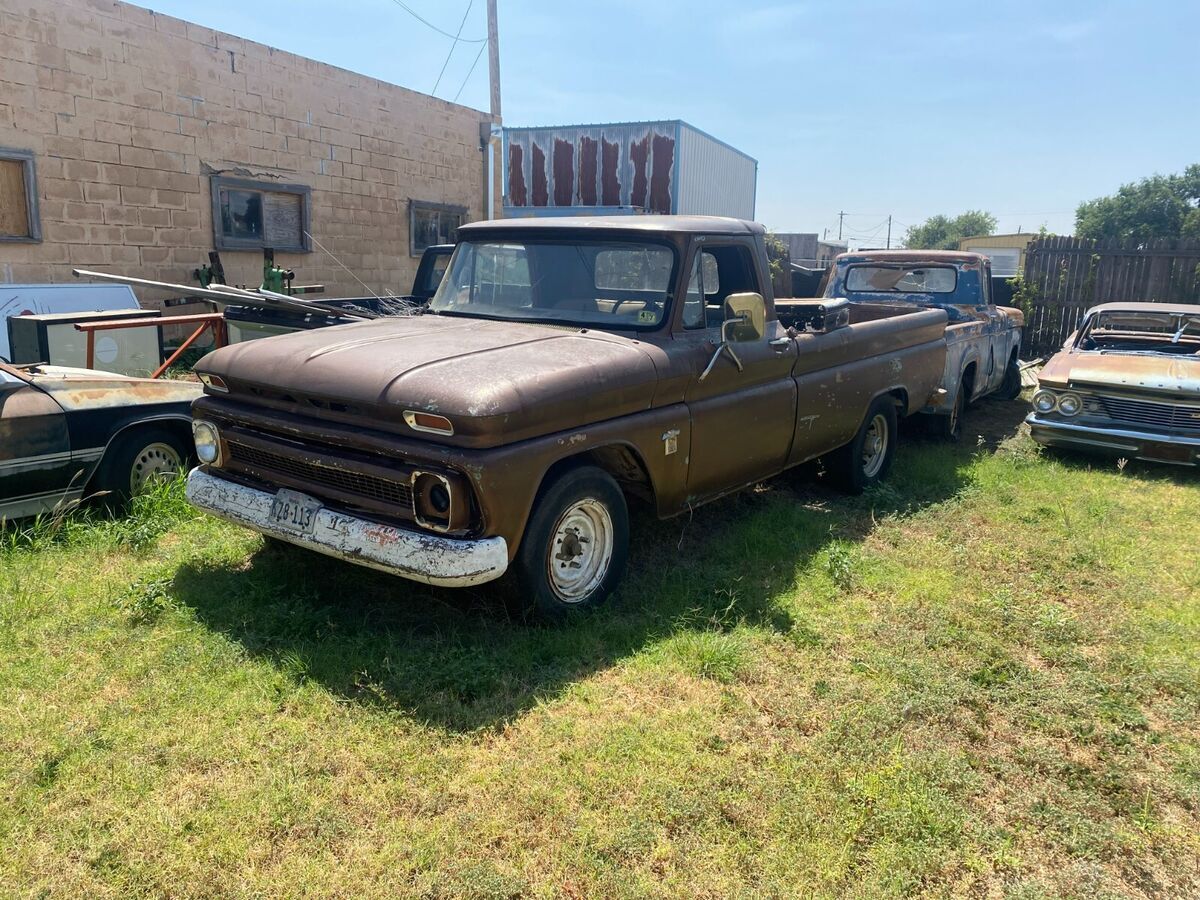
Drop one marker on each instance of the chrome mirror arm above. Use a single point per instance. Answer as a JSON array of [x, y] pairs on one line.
[[725, 347]]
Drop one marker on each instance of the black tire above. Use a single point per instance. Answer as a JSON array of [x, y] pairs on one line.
[[1010, 387], [134, 457], [857, 466], [949, 427], [587, 504]]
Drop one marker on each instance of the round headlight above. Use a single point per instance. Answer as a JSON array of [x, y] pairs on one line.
[[208, 442], [1070, 404], [1045, 401]]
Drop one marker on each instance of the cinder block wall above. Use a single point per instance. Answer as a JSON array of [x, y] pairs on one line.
[[129, 113]]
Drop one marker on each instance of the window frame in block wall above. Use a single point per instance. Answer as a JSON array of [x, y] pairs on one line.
[[28, 184], [225, 185], [425, 206]]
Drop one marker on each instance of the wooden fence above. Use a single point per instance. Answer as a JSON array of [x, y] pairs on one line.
[[1064, 276]]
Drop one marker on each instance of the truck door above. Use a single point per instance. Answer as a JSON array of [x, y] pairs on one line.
[[742, 421], [997, 330]]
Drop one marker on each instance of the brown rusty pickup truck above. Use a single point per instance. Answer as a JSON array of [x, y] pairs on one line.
[[563, 366]]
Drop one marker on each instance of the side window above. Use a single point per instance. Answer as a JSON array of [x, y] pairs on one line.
[[705, 280], [717, 273]]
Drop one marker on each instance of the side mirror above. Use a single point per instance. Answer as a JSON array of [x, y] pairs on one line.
[[746, 317]]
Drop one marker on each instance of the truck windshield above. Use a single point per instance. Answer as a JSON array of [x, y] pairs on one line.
[[902, 279], [619, 285]]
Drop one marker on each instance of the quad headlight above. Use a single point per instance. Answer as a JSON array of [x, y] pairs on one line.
[[1045, 401], [208, 442], [1070, 404], [1067, 404]]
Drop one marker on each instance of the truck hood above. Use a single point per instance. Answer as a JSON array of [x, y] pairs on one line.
[[497, 382], [1176, 375]]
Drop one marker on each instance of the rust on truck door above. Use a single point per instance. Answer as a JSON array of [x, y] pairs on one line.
[[742, 421]]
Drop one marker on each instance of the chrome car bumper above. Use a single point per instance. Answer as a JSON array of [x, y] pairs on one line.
[[428, 558], [1146, 445]]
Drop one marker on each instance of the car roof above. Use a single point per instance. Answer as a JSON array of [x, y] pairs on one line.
[[650, 223], [1184, 308]]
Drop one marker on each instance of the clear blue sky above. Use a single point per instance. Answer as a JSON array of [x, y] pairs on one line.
[[1023, 108]]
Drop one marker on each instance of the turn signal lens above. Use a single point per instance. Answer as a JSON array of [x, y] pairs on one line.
[[423, 421], [216, 382], [1045, 401], [208, 442], [1070, 404]]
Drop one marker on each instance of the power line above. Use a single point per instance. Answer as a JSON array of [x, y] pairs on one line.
[[469, 71], [470, 3], [460, 40]]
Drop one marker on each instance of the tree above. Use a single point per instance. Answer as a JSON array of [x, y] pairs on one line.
[[1155, 207], [944, 233]]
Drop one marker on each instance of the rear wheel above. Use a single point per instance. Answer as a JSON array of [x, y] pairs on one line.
[[1010, 388], [575, 547], [949, 427], [867, 459]]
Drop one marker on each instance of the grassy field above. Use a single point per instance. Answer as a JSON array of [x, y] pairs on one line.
[[981, 679]]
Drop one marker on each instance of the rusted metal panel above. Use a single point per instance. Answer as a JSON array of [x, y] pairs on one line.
[[600, 166], [639, 167], [516, 175]]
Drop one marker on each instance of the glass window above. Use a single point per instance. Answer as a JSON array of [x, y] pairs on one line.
[[902, 279], [618, 285], [433, 223], [249, 215], [703, 282]]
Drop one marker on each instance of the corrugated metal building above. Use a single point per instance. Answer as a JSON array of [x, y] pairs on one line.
[[625, 168]]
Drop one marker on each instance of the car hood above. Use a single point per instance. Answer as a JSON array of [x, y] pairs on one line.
[[497, 382], [92, 389], [1177, 375]]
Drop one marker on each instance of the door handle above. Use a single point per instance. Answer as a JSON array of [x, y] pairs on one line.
[[779, 344]]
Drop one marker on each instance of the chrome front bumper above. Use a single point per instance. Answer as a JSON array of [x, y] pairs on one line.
[[1146, 445], [428, 558]]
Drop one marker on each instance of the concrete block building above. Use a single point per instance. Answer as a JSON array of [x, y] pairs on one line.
[[134, 142]]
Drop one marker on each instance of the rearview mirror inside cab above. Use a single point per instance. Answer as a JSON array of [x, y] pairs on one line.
[[746, 317]]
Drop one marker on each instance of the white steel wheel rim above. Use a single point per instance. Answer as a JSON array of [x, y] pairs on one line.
[[154, 462], [875, 445], [581, 549]]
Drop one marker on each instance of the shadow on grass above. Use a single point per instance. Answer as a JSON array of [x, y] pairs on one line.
[[458, 660]]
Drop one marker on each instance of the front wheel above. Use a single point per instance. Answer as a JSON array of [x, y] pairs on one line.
[[868, 457], [137, 459], [576, 545]]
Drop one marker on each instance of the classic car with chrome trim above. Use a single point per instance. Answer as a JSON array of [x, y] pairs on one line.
[[1126, 383], [70, 433], [562, 366]]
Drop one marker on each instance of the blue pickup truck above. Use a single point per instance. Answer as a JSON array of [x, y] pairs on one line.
[[982, 339]]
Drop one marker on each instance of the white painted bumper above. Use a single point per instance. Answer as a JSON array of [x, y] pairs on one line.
[[428, 558]]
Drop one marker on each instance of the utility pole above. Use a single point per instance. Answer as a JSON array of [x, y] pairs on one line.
[[841, 216], [889, 240], [493, 58]]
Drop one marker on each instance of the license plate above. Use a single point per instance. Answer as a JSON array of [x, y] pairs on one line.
[[1167, 452], [294, 511]]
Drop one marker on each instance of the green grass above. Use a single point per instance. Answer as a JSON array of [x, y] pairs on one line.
[[980, 679]]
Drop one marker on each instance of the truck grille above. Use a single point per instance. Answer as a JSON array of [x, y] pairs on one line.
[[1146, 413], [313, 477]]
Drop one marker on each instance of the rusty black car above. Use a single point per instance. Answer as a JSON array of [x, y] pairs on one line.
[[69, 433]]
